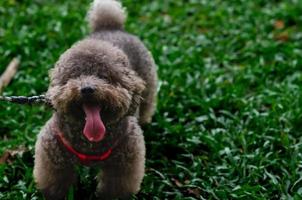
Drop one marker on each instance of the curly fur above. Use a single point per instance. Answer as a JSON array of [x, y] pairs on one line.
[[122, 73]]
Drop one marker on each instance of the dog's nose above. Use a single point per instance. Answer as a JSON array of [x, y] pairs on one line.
[[87, 90]]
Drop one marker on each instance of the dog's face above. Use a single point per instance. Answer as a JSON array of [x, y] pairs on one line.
[[92, 83]]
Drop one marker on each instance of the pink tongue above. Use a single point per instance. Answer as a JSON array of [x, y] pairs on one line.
[[94, 129]]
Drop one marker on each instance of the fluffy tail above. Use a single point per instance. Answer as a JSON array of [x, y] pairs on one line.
[[106, 14]]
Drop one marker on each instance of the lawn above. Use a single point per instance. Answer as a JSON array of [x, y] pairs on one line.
[[229, 117]]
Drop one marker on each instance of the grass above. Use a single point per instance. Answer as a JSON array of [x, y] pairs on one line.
[[229, 118]]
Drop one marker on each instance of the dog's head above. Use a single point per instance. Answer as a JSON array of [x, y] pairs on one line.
[[93, 82]]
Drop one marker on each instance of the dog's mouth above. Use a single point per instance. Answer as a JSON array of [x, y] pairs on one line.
[[94, 129]]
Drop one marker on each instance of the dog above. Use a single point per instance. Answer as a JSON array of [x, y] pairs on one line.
[[102, 89]]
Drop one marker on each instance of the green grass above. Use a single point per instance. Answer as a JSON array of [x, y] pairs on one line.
[[229, 118]]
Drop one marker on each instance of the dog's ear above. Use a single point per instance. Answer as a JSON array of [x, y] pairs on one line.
[[52, 93], [131, 81], [56, 95], [135, 85]]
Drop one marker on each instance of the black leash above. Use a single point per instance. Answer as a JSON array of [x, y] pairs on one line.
[[41, 99]]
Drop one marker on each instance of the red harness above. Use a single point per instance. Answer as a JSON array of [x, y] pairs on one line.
[[84, 158]]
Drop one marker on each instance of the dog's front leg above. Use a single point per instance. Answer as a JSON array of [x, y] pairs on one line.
[[123, 172], [53, 174]]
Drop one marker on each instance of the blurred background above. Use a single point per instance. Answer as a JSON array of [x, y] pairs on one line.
[[229, 120]]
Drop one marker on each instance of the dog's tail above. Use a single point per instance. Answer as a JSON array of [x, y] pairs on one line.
[[106, 14]]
